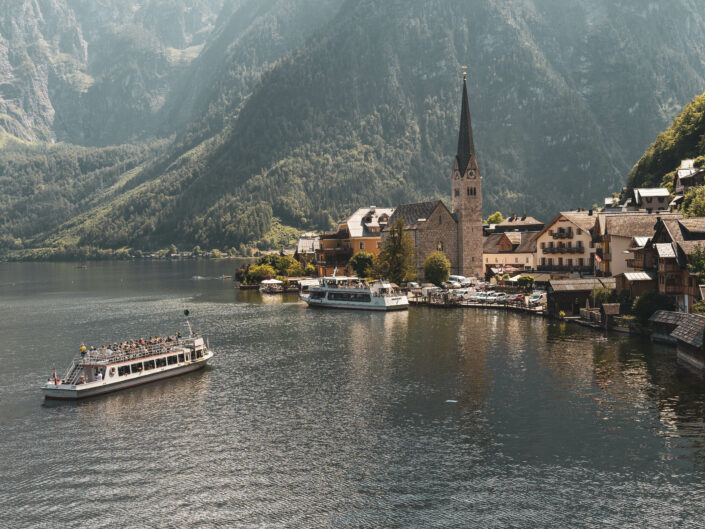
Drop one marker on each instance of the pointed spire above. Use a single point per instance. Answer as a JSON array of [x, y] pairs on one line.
[[466, 146]]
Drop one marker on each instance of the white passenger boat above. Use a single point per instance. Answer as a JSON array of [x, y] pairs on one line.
[[351, 293], [98, 372]]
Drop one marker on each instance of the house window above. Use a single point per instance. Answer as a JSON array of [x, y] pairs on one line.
[[581, 262], [543, 245], [580, 232], [570, 263], [362, 246], [560, 261], [550, 261], [379, 244], [469, 192], [543, 261]]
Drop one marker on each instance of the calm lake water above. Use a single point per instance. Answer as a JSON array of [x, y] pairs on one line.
[[427, 418]]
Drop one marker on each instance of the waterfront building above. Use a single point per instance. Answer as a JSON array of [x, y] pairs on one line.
[[509, 252], [565, 243], [360, 232], [306, 247], [668, 255], [648, 199], [456, 232], [571, 295], [615, 234]]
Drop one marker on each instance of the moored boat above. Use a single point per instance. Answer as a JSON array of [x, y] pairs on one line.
[[351, 293], [96, 372]]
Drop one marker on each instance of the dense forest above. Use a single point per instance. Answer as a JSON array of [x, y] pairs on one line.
[[274, 116]]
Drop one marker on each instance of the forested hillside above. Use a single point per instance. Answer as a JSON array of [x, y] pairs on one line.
[[295, 112], [684, 139]]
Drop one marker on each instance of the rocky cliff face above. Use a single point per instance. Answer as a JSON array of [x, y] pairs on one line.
[[94, 73]]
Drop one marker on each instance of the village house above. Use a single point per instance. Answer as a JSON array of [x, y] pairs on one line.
[[306, 247], [687, 176], [648, 199], [565, 243], [508, 252], [456, 232], [571, 295], [360, 232], [614, 236], [668, 254]]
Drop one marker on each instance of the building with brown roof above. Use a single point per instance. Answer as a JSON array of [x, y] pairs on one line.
[[456, 232], [565, 243], [360, 232], [668, 253], [509, 252], [516, 223], [614, 235]]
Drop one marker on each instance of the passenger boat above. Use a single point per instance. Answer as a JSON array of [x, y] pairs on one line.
[[351, 293], [95, 372]]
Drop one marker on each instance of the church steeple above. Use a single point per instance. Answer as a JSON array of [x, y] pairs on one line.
[[466, 146]]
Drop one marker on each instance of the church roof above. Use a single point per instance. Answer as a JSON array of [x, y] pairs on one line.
[[466, 145], [411, 213]]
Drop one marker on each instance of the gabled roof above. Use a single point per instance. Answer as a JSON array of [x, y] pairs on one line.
[[359, 226], [528, 242], [690, 329], [665, 250], [694, 225], [580, 219], [412, 213], [652, 192], [515, 222], [522, 242], [582, 285], [640, 276], [630, 224]]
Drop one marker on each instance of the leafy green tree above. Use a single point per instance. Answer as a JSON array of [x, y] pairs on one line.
[[696, 266], [196, 250], [495, 218], [361, 262], [396, 260], [217, 254], [436, 268], [648, 303], [526, 282], [600, 295], [295, 269], [694, 202], [310, 270], [258, 273]]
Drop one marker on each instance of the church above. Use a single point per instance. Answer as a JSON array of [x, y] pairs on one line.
[[457, 232]]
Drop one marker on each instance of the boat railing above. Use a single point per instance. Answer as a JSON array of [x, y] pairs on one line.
[[134, 352]]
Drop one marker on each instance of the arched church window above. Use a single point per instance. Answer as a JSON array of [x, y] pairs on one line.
[[457, 192], [440, 219]]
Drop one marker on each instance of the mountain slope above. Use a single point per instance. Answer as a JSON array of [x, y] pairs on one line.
[[564, 96]]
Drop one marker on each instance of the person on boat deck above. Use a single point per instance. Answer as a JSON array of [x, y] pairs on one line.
[[99, 376], [109, 351], [83, 349]]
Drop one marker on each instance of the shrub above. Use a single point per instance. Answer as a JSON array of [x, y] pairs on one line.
[[648, 303]]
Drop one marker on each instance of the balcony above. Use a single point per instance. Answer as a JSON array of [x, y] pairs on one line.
[[333, 257], [563, 249]]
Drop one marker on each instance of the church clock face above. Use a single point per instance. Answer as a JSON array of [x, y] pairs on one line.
[[471, 174]]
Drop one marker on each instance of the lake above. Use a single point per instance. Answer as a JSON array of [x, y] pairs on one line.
[[314, 418]]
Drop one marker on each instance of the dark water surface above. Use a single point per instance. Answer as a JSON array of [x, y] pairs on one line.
[[337, 419]]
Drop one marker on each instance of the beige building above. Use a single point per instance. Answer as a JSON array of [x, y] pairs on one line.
[[614, 237], [565, 243], [508, 252]]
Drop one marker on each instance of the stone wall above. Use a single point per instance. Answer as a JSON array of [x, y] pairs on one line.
[[439, 231]]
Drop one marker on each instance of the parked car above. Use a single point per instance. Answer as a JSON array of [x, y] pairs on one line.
[[492, 296], [501, 297], [412, 285], [451, 285], [462, 280], [537, 298], [516, 298], [478, 296]]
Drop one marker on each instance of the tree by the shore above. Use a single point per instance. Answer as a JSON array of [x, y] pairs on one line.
[[361, 263], [436, 268], [396, 260]]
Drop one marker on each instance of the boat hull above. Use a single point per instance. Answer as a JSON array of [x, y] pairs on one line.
[[355, 306], [83, 391]]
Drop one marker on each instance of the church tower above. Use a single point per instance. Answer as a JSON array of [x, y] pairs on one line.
[[467, 196]]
